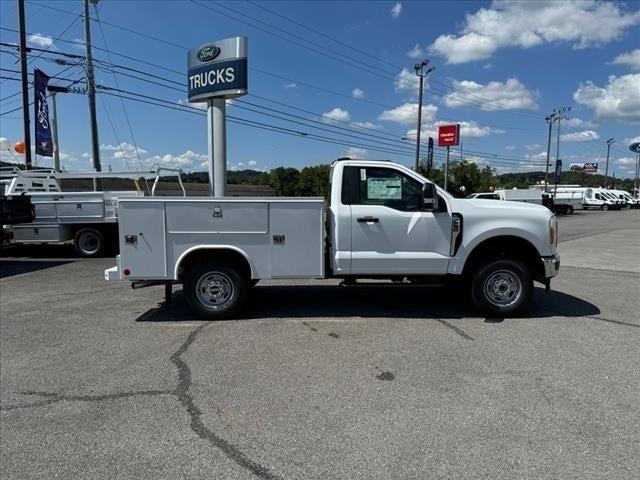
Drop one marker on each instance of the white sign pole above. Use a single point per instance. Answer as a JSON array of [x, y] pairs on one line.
[[217, 141]]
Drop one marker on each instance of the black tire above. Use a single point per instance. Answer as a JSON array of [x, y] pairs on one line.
[[569, 210], [227, 293], [605, 207], [501, 288], [89, 242]]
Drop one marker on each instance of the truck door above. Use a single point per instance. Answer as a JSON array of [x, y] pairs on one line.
[[390, 234]]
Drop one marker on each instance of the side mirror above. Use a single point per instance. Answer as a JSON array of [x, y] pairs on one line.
[[429, 197]]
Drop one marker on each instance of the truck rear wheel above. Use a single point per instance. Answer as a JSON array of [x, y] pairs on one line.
[[215, 290], [89, 242], [502, 287]]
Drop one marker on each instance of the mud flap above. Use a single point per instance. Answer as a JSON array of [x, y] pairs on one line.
[[547, 285]]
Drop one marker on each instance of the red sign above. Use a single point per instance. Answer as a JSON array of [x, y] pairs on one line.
[[448, 135]]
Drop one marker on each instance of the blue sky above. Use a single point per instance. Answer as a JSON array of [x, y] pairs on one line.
[[501, 67]]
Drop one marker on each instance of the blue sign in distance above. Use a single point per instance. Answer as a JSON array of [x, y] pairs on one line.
[[635, 147], [217, 69]]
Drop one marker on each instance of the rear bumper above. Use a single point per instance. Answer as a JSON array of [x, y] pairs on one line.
[[551, 265]]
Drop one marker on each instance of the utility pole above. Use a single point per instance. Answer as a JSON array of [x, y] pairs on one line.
[[420, 72], [25, 85], [606, 170], [91, 89], [550, 119]]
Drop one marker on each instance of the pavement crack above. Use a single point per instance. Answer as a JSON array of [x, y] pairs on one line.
[[459, 331], [197, 424]]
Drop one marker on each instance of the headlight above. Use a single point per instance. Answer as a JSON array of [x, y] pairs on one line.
[[553, 230]]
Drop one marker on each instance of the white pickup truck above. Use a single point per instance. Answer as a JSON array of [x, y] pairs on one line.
[[384, 221]]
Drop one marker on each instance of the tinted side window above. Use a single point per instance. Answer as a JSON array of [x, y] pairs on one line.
[[388, 187]]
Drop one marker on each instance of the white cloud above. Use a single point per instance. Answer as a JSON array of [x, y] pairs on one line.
[[184, 160], [509, 147], [487, 66], [407, 81], [198, 105], [358, 93], [467, 130], [39, 40], [626, 161], [618, 100], [355, 152], [123, 151], [532, 146], [289, 86], [526, 24], [407, 114], [584, 136], [396, 10], [366, 125], [509, 95], [78, 44], [631, 58], [578, 122], [416, 52], [337, 114], [630, 140], [252, 163]]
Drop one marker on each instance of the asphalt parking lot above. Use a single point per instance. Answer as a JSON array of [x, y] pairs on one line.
[[323, 382]]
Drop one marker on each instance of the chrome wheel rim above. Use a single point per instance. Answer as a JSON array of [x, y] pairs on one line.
[[215, 290], [502, 288], [89, 243]]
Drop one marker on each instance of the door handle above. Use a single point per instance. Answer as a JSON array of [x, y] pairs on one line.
[[368, 220]]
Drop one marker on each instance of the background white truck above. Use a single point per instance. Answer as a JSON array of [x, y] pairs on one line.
[[384, 221], [87, 218]]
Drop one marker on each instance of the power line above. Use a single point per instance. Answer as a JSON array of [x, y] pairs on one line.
[[115, 78]]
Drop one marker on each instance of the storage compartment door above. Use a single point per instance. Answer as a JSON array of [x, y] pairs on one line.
[[142, 239], [296, 235]]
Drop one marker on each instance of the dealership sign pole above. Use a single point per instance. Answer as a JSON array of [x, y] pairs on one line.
[[217, 71], [448, 135]]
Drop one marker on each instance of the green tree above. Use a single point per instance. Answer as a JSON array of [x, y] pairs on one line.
[[284, 181], [314, 181]]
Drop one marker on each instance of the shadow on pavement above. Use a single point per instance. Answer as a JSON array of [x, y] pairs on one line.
[[39, 251], [9, 268], [321, 301]]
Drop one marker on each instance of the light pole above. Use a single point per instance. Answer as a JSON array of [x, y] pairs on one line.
[[561, 115], [53, 89], [550, 119], [606, 169], [420, 72]]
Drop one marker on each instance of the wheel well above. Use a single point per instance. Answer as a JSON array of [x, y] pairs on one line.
[[204, 255], [506, 246]]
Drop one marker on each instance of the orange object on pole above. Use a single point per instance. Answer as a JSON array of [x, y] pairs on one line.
[[19, 147]]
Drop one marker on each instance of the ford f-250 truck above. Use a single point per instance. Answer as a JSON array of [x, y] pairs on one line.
[[384, 221]]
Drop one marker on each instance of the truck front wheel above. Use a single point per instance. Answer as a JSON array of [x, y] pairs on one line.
[[215, 290], [502, 287], [89, 242]]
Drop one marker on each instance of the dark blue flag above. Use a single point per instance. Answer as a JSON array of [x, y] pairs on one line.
[[44, 143], [558, 170]]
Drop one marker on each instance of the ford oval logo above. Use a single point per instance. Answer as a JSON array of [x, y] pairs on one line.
[[208, 53]]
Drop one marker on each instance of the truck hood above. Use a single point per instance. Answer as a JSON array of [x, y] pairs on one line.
[[498, 205]]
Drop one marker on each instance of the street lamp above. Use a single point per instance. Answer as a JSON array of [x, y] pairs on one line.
[[606, 171]]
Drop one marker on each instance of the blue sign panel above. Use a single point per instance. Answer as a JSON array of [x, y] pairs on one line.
[[217, 69], [216, 79]]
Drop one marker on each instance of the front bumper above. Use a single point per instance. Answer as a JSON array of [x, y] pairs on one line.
[[551, 265]]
